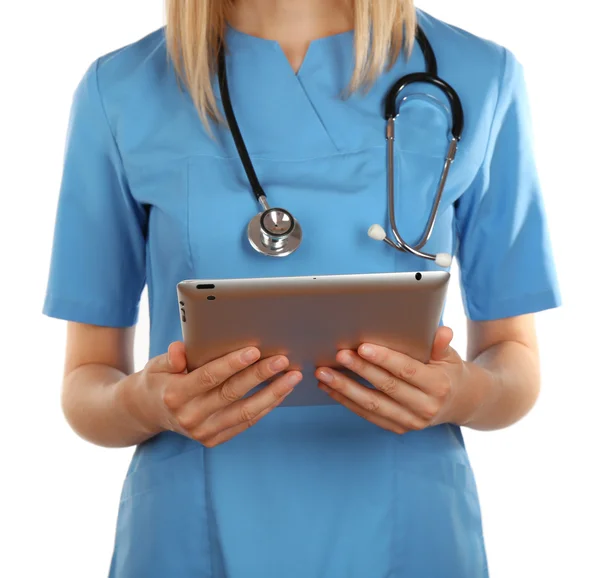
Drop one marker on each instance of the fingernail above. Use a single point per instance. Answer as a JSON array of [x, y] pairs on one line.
[[169, 356], [293, 379], [278, 364], [250, 355], [325, 376], [345, 358], [367, 351]]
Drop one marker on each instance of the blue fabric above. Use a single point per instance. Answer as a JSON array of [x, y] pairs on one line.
[[148, 197]]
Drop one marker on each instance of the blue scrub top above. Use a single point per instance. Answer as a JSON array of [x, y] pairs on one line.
[[310, 491]]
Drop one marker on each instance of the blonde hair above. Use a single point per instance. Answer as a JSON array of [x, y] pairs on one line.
[[196, 31]]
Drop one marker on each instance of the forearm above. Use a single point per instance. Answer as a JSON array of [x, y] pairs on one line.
[[95, 406], [501, 386]]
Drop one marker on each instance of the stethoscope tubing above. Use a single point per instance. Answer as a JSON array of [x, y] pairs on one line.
[[240, 145]]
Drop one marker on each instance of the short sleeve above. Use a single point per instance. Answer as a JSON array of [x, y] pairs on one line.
[[504, 251], [97, 270]]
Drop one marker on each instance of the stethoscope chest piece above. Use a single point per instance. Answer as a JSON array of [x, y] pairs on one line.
[[274, 233]]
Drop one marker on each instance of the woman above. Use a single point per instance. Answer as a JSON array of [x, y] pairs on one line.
[[378, 483]]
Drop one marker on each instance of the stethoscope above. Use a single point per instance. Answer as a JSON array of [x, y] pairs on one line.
[[276, 233]]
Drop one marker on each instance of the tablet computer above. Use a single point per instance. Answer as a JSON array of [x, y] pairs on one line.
[[309, 319]]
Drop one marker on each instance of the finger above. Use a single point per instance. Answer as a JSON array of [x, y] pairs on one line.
[[173, 361], [398, 364], [371, 401], [441, 349], [235, 388], [382, 422], [211, 375], [230, 433], [246, 411], [404, 393]]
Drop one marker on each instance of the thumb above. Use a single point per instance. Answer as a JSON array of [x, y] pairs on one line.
[[441, 350], [174, 361]]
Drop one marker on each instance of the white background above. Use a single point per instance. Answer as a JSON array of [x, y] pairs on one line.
[[538, 480]]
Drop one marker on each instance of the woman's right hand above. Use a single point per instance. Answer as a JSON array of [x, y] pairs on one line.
[[207, 404]]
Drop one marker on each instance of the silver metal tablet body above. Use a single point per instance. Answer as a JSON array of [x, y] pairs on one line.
[[310, 319]]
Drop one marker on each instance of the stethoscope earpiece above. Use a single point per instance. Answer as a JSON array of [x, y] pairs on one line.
[[377, 232], [443, 260]]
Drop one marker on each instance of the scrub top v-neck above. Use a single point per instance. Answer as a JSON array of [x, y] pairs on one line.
[[149, 198]]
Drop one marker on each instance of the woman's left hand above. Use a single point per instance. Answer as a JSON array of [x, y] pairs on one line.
[[408, 394]]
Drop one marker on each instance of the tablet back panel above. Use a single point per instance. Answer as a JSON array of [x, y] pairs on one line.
[[310, 319]]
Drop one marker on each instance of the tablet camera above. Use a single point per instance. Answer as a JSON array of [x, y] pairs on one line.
[[418, 276]]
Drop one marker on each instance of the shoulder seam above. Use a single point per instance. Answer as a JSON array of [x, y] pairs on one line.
[[105, 115], [492, 123]]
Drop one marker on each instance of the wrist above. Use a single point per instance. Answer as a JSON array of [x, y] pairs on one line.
[[477, 387], [132, 397]]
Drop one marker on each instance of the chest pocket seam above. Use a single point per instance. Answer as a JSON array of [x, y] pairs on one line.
[[188, 213]]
